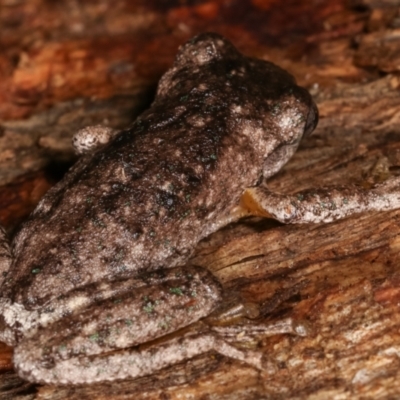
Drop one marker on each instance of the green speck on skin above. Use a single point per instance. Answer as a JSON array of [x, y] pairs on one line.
[[275, 108], [187, 198], [36, 271], [101, 371], [185, 214], [184, 98], [163, 325], [213, 156], [176, 290], [117, 301], [333, 205], [300, 197], [89, 200], [152, 233], [193, 293], [98, 222], [345, 201], [149, 307], [62, 347], [46, 349], [95, 337], [79, 229]]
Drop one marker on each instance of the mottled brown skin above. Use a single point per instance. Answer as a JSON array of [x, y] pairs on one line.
[[140, 204]]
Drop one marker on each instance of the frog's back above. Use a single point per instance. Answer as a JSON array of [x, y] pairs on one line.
[[143, 202]]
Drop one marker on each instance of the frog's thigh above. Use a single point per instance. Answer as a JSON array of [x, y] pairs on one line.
[[321, 204], [148, 312], [5, 254], [92, 137]]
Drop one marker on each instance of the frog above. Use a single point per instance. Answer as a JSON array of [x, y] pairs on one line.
[[97, 286]]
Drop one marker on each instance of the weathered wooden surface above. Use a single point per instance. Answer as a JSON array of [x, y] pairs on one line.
[[65, 66]]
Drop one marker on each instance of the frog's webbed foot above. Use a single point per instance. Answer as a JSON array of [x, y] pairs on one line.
[[321, 204], [91, 138], [5, 255]]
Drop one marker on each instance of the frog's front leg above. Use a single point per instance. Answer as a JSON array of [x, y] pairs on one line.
[[77, 348], [321, 204]]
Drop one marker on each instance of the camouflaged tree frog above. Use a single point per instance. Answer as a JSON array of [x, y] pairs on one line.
[[99, 272]]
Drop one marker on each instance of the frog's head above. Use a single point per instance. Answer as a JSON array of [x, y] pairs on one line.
[[256, 98]]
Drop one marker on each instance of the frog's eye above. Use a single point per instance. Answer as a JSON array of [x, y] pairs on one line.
[[312, 120]]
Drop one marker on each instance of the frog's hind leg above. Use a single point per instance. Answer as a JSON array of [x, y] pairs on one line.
[[321, 204], [137, 362], [198, 339], [77, 348], [5, 255]]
